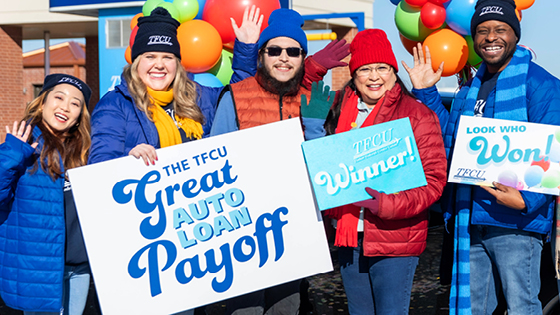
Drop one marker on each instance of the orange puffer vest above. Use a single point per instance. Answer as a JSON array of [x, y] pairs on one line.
[[255, 106]]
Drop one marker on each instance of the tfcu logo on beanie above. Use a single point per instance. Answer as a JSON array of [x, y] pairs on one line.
[[492, 9], [72, 81], [160, 39]]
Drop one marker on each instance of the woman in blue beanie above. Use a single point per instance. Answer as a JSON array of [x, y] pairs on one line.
[[43, 263]]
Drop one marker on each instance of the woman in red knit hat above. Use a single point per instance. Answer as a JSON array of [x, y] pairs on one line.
[[381, 238]]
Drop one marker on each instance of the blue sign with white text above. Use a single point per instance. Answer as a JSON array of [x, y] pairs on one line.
[[383, 157]]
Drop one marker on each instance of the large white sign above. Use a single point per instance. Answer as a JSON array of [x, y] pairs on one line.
[[518, 154], [212, 219]]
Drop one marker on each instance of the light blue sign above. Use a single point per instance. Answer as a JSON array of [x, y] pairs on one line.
[[383, 157]]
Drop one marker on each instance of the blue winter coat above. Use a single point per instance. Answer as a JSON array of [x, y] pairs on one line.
[[543, 106], [118, 125], [32, 230]]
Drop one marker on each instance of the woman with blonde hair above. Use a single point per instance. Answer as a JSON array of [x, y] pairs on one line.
[[158, 104], [43, 263]]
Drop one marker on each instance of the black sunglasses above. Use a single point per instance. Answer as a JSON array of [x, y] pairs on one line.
[[275, 51]]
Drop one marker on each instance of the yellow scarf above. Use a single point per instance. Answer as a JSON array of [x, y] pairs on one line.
[[167, 128]]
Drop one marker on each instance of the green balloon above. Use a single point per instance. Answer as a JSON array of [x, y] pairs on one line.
[[474, 59], [407, 19], [551, 179], [557, 135], [149, 6], [171, 9], [222, 70], [188, 9]]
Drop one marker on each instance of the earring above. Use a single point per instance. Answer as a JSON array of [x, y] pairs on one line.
[[77, 125]]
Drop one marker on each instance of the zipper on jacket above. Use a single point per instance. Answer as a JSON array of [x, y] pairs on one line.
[[280, 105]]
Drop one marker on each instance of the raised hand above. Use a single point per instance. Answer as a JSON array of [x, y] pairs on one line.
[[422, 75], [146, 152], [250, 29], [22, 132], [320, 101], [331, 56]]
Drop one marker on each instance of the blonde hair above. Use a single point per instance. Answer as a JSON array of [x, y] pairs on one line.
[[184, 92], [73, 148]]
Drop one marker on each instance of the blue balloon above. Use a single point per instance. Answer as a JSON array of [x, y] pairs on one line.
[[554, 154], [207, 79], [201, 4], [459, 14], [395, 2], [533, 175]]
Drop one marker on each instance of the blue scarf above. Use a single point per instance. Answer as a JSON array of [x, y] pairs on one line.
[[510, 103]]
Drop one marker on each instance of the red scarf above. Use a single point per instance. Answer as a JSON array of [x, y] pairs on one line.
[[348, 215]]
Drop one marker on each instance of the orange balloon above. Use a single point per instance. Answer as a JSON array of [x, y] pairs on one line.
[[408, 44], [519, 14], [201, 45], [450, 47], [134, 20], [128, 55], [523, 4]]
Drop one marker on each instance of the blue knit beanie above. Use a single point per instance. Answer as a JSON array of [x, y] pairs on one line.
[[156, 32], [287, 23]]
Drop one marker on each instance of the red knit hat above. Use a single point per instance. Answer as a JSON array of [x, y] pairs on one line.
[[371, 46]]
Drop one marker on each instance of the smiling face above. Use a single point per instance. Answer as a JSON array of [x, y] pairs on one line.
[[283, 67], [157, 70], [373, 81], [62, 108], [495, 43]]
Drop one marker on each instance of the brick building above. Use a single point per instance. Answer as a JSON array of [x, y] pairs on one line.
[[68, 58]]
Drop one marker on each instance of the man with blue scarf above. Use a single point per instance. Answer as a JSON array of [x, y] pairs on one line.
[[499, 230]]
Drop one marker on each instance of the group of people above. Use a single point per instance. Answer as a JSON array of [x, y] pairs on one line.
[[499, 231]]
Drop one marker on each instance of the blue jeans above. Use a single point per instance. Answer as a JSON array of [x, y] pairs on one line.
[[376, 285], [508, 258], [74, 291]]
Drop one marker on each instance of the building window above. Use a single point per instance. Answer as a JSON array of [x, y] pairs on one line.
[[118, 33], [37, 89]]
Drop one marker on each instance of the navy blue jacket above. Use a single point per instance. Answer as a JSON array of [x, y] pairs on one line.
[[543, 106], [118, 125], [32, 230]]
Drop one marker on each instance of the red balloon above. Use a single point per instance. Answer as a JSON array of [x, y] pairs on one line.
[[408, 44], [438, 2], [133, 36], [432, 15], [219, 12], [542, 163], [416, 3]]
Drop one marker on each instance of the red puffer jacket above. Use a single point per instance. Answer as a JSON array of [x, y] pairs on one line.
[[400, 227]]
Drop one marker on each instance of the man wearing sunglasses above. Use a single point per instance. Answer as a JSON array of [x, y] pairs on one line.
[[273, 94]]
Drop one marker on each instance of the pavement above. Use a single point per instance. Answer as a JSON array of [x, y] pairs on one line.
[[326, 292]]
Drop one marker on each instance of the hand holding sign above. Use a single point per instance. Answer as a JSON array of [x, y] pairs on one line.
[[506, 196], [371, 204]]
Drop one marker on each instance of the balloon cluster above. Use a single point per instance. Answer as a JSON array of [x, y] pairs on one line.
[[543, 173], [445, 27], [205, 34]]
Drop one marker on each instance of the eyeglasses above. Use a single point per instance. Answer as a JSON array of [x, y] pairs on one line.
[[366, 71], [275, 51]]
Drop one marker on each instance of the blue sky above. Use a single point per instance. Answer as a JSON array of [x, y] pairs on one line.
[[540, 31]]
